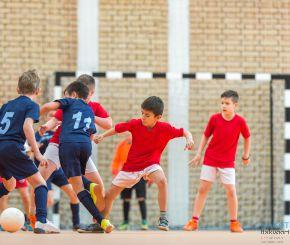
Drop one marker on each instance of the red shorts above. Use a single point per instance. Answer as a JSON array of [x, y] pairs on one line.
[[19, 183]]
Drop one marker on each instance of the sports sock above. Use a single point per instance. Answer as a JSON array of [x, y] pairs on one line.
[[195, 218], [87, 201], [126, 209], [142, 206], [163, 214], [3, 190], [40, 203], [86, 183], [75, 210]]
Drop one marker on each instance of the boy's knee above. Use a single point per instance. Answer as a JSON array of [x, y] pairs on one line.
[[10, 185], [162, 182], [50, 201], [202, 190]]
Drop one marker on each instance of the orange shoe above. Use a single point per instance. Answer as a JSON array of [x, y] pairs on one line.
[[236, 226], [192, 225], [32, 219]]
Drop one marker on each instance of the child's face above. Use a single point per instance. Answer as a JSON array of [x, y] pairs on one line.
[[228, 106], [149, 119]]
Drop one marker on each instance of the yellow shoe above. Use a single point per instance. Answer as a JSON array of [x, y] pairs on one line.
[[107, 226], [96, 192]]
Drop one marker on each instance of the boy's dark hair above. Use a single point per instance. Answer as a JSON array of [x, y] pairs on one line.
[[86, 79], [231, 94], [79, 88], [153, 104], [28, 82]]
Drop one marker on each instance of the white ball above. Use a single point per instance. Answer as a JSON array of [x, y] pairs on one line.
[[12, 219]]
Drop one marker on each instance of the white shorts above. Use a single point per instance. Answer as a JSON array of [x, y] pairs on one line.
[[227, 175], [52, 154], [129, 179], [90, 167]]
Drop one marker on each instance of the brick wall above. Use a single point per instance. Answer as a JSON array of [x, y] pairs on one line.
[[242, 36]]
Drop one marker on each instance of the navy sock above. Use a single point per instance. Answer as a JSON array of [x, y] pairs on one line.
[[87, 201], [40, 203], [75, 210], [86, 183], [126, 209], [3, 190], [142, 205]]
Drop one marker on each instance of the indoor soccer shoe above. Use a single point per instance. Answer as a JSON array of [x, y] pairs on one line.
[[124, 226], [96, 193], [92, 228], [192, 225], [45, 228], [236, 226], [163, 224], [144, 225], [107, 226]]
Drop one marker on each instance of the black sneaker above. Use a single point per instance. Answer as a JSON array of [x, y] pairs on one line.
[[163, 224], [92, 228]]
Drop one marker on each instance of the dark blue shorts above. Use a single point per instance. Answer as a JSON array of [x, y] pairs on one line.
[[14, 162], [74, 157], [58, 178]]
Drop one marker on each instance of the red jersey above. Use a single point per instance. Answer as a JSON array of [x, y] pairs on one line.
[[98, 110], [147, 144], [221, 151]]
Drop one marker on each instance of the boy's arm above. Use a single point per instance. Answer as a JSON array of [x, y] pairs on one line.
[[108, 133], [30, 136], [49, 107], [49, 125], [246, 154], [196, 160], [189, 140], [105, 123]]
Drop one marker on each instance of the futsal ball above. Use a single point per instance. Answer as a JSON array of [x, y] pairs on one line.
[[12, 219]]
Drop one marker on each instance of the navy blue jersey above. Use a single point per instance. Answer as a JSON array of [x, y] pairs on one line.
[[13, 115], [78, 121], [43, 140]]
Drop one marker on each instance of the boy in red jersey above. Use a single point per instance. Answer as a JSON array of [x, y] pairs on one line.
[[225, 129], [149, 138]]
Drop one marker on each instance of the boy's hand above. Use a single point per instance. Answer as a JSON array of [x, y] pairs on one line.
[[99, 138], [42, 160], [195, 161], [246, 160], [189, 145], [42, 129]]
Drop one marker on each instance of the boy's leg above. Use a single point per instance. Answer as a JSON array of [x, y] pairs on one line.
[[200, 199], [199, 203], [25, 197], [40, 190], [232, 201], [3, 203], [87, 201], [110, 197], [46, 172], [7, 186], [141, 196], [126, 197], [74, 204], [159, 178]]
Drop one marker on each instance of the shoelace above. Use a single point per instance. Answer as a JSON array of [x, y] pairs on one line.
[[163, 221]]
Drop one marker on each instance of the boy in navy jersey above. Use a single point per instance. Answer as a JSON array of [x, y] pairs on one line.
[[75, 143], [16, 125]]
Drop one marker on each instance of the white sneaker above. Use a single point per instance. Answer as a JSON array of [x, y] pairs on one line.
[[45, 228]]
